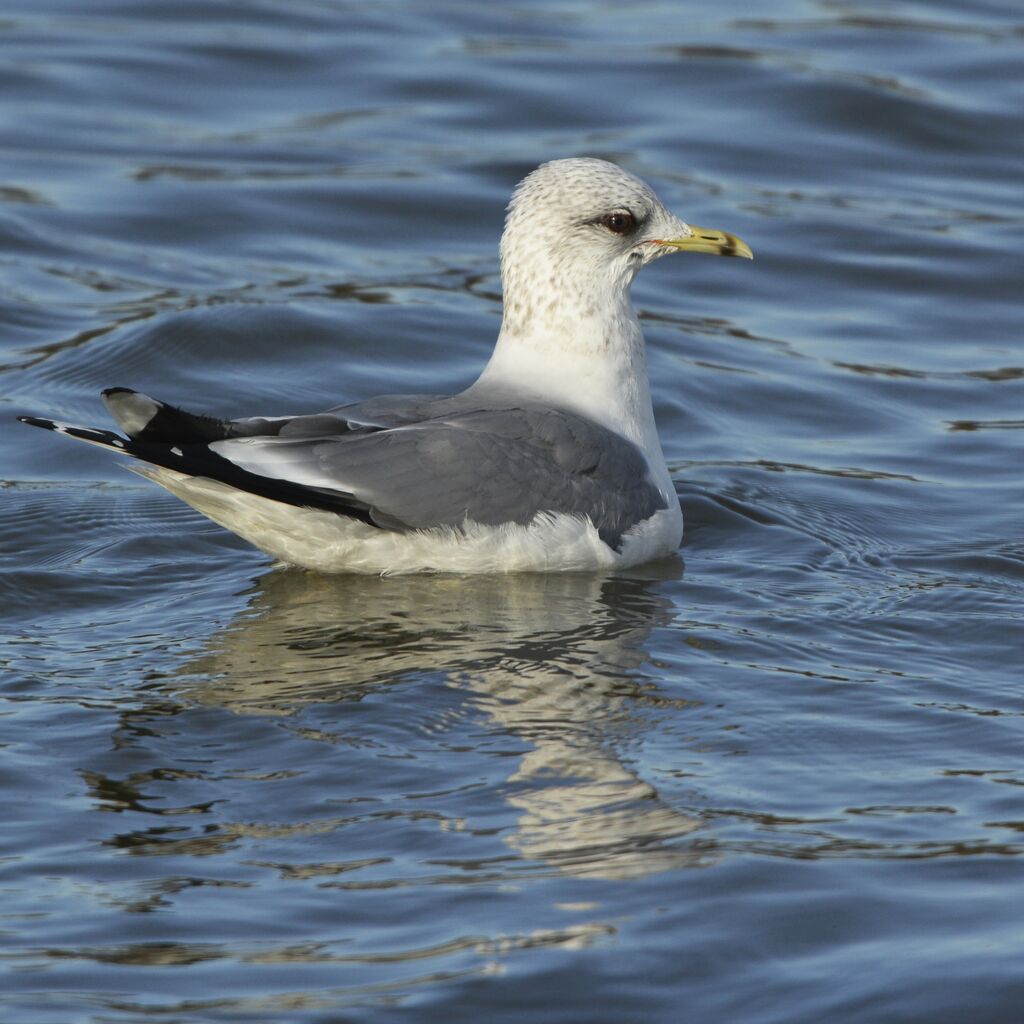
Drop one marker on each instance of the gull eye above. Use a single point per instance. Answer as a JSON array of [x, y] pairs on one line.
[[621, 222]]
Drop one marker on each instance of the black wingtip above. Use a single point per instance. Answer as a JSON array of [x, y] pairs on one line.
[[38, 421], [107, 392]]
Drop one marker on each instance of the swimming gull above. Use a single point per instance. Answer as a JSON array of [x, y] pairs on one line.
[[549, 461]]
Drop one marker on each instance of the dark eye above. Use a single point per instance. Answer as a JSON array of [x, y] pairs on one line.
[[621, 222]]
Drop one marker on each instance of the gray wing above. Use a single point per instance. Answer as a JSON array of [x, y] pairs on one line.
[[147, 419], [406, 462], [491, 466], [356, 417]]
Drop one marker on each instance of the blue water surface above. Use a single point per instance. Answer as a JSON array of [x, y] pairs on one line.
[[775, 780]]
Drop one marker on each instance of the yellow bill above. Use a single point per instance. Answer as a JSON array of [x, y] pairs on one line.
[[718, 243]]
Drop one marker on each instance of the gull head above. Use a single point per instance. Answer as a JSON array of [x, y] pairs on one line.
[[581, 228], [577, 232]]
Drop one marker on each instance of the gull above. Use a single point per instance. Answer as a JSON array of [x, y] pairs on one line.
[[549, 461]]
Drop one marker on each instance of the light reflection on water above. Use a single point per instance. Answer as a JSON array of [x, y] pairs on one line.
[[553, 662]]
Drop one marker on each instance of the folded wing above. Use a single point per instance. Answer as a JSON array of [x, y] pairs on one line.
[[401, 462], [489, 466]]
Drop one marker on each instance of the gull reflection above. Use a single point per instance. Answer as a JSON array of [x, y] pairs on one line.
[[557, 661]]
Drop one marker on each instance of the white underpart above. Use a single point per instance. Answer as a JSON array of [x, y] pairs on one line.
[[332, 543]]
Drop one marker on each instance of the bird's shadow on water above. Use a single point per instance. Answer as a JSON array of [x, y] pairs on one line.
[[556, 663]]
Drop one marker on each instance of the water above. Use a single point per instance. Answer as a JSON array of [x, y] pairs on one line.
[[776, 780]]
